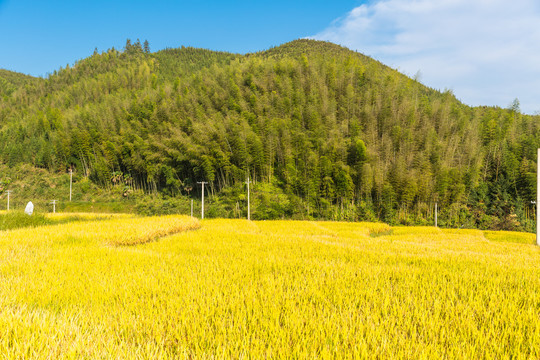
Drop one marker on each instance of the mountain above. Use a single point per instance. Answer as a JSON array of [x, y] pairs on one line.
[[322, 131]]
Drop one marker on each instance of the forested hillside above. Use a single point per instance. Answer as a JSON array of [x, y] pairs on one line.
[[322, 131]]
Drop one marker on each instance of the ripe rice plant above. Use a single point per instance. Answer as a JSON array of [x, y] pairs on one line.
[[265, 289], [18, 219]]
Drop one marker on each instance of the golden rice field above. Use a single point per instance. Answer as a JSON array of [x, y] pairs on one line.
[[173, 287]]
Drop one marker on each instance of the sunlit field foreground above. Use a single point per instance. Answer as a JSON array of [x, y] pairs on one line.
[[124, 287]]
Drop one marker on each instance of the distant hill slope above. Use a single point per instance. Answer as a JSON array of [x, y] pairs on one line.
[[333, 132], [11, 81], [188, 60], [15, 78]]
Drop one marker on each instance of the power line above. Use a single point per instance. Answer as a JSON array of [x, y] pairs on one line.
[[8, 192], [436, 214], [202, 209], [249, 210], [70, 182], [537, 202], [53, 202]]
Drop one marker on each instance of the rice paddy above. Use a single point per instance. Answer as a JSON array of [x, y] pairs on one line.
[[175, 287]]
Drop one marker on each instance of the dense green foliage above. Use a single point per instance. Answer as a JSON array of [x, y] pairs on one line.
[[10, 81], [322, 131]]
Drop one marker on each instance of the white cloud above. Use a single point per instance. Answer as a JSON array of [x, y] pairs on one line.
[[486, 51]]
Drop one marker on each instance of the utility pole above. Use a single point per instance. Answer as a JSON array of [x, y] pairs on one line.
[[70, 182], [202, 209], [435, 214], [191, 207], [53, 202], [538, 199], [249, 209], [8, 192]]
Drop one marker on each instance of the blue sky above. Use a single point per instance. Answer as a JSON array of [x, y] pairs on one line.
[[40, 36], [486, 51]]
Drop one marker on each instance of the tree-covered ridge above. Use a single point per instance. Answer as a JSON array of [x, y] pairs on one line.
[[15, 78], [173, 62], [11, 81], [329, 132], [306, 47]]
